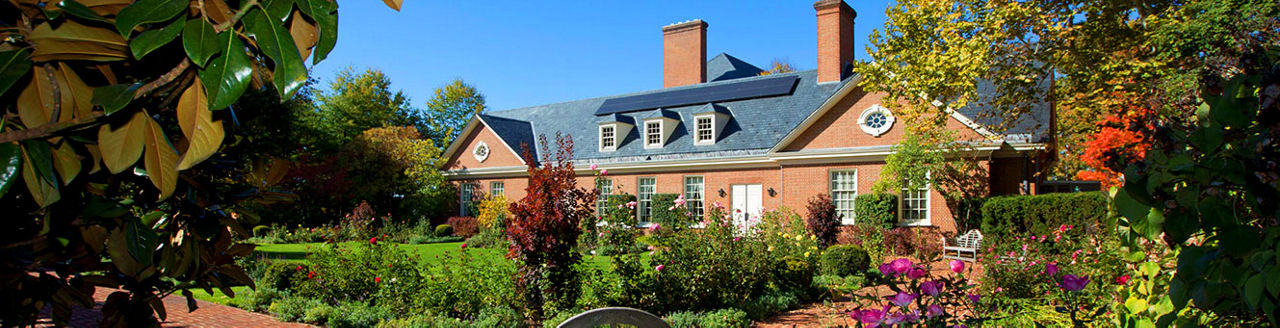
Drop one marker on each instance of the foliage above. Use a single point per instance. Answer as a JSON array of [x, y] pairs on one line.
[[1032, 267], [869, 237], [261, 231], [449, 110], [359, 273], [673, 216], [463, 226], [293, 308], [822, 220], [544, 229], [844, 260], [397, 170], [615, 234], [778, 66], [878, 209], [465, 285], [723, 318], [920, 243], [356, 102], [492, 223], [920, 298], [1004, 217], [256, 300], [1121, 139], [444, 230], [357, 315]]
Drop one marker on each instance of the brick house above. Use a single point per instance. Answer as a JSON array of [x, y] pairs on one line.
[[719, 131]]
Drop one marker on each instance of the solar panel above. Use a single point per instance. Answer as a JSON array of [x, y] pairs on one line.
[[725, 92]]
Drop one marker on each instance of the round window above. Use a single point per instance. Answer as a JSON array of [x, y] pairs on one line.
[[875, 120], [481, 152]]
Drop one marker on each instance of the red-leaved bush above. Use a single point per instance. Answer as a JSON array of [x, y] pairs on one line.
[[464, 226], [544, 229], [822, 220]]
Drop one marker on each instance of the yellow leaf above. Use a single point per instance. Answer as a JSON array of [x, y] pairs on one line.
[[77, 96], [66, 162], [75, 41], [95, 157], [161, 159], [120, 146], [35, 103], [394, 4], [304, 34], [106, 7], [203, 134], [45, 193]]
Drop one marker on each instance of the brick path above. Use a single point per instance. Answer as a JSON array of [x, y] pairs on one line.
[[207, 315]]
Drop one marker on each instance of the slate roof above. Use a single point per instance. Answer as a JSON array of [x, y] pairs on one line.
[[725, 67], [1032, 126], [514, 132], [755, 126]]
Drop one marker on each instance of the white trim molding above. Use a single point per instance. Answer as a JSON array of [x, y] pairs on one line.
[[865, 120]]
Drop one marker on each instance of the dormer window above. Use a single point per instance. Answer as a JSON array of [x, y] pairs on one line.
[[608, 137], [704, 129], [708, 121], [653, 134]]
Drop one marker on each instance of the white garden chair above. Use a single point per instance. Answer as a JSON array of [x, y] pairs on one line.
[[614, 316], [966, 244]]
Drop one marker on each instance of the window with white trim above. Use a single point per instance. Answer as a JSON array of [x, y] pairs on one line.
[[844, 189], [608, 137], [606, 188], [915, 204], [645, 188], [497, 189], [653, 134], [693, 190], [465, 194], [704, 130]]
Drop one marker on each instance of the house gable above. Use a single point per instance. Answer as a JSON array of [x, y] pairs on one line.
[[461, 155], [838, 126]]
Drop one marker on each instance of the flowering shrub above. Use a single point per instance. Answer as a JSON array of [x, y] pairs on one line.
[[1041, 268], [364, 272], [614, 234], [919, 298], [822, 220], [869, 237], [463, 226]]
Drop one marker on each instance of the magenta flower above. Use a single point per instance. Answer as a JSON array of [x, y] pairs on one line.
[[604, 172], [659, 267], [902, 299], [655, 227], [680, 200], [956, 266], [931, 288], [974, 298], [934, 310], [593, 167], [1051, 269], [870, 318], [900, 266], [1073, 283], [916, 273], [886, 269]]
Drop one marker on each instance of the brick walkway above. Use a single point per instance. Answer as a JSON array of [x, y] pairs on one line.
[[207, 315]]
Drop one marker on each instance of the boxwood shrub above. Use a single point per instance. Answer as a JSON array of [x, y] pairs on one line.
[[844, 260], [1007, 216], [876, 209], [444, 230]]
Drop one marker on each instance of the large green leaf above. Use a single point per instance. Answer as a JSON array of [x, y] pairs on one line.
[[114, 97], [326, 15], [279, 9], [78, 9], [274, 41], [153, 39], [201, 41], [141, 241], [13, 65], [227, 76], [10, 163], [148, 11], [41, 157]]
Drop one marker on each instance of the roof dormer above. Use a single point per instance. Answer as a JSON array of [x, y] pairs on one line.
[[658, 127], [612, 130], [708, 124]]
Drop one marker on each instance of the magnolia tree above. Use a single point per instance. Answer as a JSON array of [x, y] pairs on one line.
[[110, 110]]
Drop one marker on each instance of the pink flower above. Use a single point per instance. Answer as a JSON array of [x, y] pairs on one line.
[[934, 310], [659, 267], [594, 167], [974, 298], [931, 288], [1121, 280], [631, 204], [902, 299], [900, 266], [957, 266], [916, 273], [1051, 269], [373, 240], [1073, 283], [736, 238], [886, 269], [680, 200], [604, 172], [655, 227]]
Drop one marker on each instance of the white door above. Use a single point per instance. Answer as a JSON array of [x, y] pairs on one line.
[[746, 201]]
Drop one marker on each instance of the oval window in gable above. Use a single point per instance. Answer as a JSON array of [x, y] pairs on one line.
[[875, 120], [481, 152]]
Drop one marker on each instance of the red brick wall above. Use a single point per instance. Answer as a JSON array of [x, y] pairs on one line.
[[835, 38], [838, 128], [499, 154], [802, 182], [684, 54]]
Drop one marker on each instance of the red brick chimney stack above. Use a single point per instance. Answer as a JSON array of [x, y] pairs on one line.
[[835, 38], [684, 53]]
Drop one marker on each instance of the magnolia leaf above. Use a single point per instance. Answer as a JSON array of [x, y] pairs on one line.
[[76, 94], [35, 103], [227, 76], [304, 34], [203, 134], [118, 251], [75, 41], [153, 39], [279, 168], [201, 41], [13, 65], [147, 11], [394, 4], [325, 14], [40, 155], [106, 7], [1253, 290], [1135, 305], [43, 192], [122, 145], [10, 163], [160, 159], [114, 97], [66, 162], [78, 9], [95, 157], [274, 40], [278, 9]]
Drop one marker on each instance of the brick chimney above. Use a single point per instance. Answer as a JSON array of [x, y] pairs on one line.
[[835, 38], [684, 53]]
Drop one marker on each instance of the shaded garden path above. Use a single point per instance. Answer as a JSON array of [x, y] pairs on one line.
[[207, 315]]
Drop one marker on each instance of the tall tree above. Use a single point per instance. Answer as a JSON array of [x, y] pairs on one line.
[[449, 110], [355, 102]]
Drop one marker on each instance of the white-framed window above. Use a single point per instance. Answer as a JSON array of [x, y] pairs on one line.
[[704, 130], [653, 134], [915, 204], [606, 188], [875, 120], [481, 151], [497, 189], [645, 188], [608, 137], [466, 192], [844, 189], [693, 190]]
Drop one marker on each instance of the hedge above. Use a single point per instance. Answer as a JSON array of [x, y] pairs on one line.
[[660, 209], [876, 209], [844, 260], [1007, 216]]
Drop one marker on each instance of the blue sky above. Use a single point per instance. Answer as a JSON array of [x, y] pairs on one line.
[[537, 52]]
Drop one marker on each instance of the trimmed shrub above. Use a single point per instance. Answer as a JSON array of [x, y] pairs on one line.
[[663, 210], [725, 318], [876, 209], [279, 274], [1007, 216], [444, 230], [463, 226], [844, 260], [261, 231], [822, 220]]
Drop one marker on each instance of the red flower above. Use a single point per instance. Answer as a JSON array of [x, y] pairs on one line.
[[464, 245], [299, 268], [388, 265], [1121, 280], [373, 240], [311, 274], [377, 280]]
